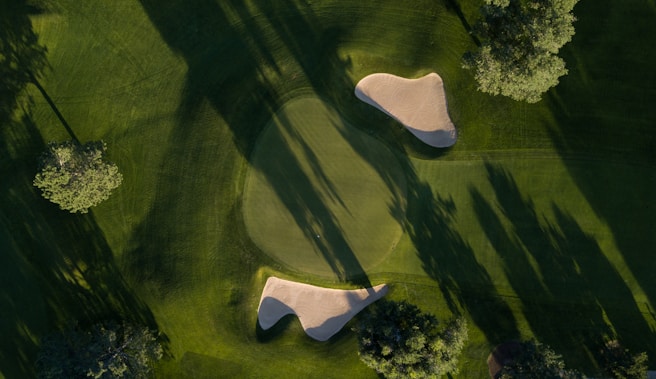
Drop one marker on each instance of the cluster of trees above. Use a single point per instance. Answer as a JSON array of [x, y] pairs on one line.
[[519, 43], [75, 176], [399, 341], [620, 363], [396, 339], [103, 351], [537, 361]]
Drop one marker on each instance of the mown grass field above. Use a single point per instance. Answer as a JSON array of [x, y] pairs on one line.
[[538, 223], [314, 202]]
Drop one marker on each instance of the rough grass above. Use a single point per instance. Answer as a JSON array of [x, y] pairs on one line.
[[537, 223]]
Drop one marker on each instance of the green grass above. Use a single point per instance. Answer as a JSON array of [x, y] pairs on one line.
[[521, 234], [312, 202], [536, 223]]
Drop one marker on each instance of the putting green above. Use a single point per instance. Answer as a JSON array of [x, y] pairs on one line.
[[322, 197]]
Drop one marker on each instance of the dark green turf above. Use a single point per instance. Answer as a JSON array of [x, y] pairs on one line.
[[537, 223]]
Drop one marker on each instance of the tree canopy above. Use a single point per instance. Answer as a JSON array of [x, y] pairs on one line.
[[399, 341], [75, 176], [620, 363], [104, 351], [537, 361], [520, 40]]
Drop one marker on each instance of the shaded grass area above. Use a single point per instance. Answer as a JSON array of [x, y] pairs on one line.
[[58, 267], [605, 105], [313, 203], [515, 246], [180, 93]]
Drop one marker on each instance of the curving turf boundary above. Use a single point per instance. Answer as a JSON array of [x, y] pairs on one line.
[[419, 104], [322, 311], [321, 196]]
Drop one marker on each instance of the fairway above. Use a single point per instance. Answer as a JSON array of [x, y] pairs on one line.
[[316, 199], [245, 154]]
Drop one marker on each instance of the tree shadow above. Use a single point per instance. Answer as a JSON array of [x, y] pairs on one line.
[[54, 108], [606, 136], [450, 260], [276, 331], [232, 64], [57, 268], [571, 294], [454, 6], [393, 168], [331, 325], [22, 58], [317, 221], [607, 285]]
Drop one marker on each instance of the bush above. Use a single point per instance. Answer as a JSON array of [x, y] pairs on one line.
[[537, 361], [519, 42], [621, 364], [75, 176], [105, 351], [399, 341]]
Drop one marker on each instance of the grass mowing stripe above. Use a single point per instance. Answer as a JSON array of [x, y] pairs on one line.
[[121, 73], [525, 229]]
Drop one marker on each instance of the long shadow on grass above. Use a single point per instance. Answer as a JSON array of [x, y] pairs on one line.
[[21, 56], [55, 268], [454, 6], [572, 296], [313, 47], [605, 128], [450, 260], [317, 221], [231, 53]]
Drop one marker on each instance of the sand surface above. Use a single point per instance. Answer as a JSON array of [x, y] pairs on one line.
[[322, 311], [419, 104]]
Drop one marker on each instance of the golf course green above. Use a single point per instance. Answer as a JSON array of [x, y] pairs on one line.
[[313, 202], [245, 154]]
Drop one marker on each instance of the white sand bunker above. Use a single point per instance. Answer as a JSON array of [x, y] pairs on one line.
[[322, 311], [418, 104]]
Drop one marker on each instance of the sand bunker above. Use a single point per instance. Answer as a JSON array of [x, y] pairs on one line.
[[418, 104], [322, 311]]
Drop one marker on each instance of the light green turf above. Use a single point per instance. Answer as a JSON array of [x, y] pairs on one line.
[[314, 202], [181, 93]]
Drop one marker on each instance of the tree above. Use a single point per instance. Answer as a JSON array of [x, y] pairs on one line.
[[399, 341], [537, 361], [104, 351], [75, 176], [621, 364], [520, 40]]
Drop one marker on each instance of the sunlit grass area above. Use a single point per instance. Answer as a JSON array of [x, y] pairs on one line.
[[537, 223], [322, 197]]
